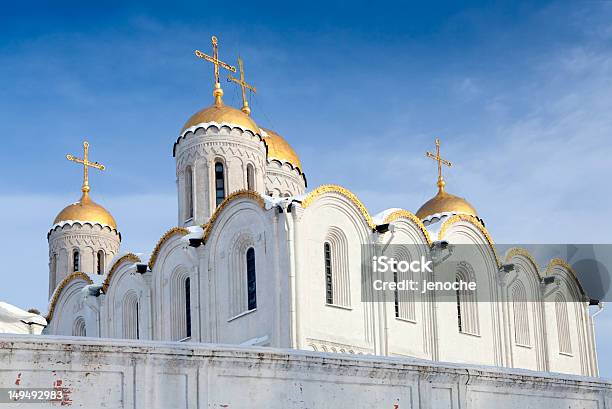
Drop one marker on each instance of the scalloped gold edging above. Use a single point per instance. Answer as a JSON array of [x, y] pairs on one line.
[[476, 223], [175, 230], [242, 193], [70, 277], [557, 262], [315, 194], [130, 257], [519, 251], [410, 216]]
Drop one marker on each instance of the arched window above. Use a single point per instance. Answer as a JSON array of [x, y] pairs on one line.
[[180, 306], [250, 175], [466, 301], [459, 317], [131, 316], [188, 307], [137, 320], [335, 254], [78, 328], [329, 286], [563, 327], [100, 262], [54, 263], [188, 193], [53, 267], [251, 279], [219, 183], [76, 260], [404, 301], [521, 314]]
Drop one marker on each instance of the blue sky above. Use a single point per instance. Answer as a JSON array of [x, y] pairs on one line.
[[520, 95]]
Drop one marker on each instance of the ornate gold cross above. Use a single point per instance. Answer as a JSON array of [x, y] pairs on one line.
[[244, 86], [218, 92], [441, 162], [86, 165]]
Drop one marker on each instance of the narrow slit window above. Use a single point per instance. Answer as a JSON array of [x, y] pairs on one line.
[[76, 260], [396, 295], [329, 289], [100, 263], [188, 193], [188, 307], [459, 317], [250, 174], [219, 183], [54, 264], [251, 279], [137, 320]]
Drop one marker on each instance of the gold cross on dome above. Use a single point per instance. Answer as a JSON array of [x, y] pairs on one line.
[[244, 86], [441, 162], [218, 92], [86, 165]]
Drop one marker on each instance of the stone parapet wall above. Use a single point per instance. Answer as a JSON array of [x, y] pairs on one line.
[[100, 373]]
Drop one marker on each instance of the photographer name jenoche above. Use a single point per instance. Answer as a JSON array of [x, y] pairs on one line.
[[424, 286]]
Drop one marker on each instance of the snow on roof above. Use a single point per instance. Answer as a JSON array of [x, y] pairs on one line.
[[195, 232], [271, 201], [379, 218], [97, 279], [14, 320]]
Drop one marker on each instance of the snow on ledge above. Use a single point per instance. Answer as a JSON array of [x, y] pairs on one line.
[[71, 222], [219, 125]]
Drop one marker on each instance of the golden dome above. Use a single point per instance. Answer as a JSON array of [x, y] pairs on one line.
[[279, 148], [86, 210], [444, 202], [221, 113]]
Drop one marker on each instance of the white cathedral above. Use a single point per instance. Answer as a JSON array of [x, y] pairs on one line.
[[257, 259]]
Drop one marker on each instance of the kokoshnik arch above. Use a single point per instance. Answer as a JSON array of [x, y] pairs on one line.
[[255, 260]]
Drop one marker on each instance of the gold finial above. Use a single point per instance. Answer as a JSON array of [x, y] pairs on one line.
[[217, 92], [244, 86], [441, 162], [86, 165]]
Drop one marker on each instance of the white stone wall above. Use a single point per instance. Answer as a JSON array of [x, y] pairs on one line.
[[114, 305], [88, 239], [283, 180], [291, 303], [235, 148], [223, 313], [136, 374], [71, 309], [333, 327]]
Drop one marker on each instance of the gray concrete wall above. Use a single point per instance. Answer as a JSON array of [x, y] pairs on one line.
[[98, 373]]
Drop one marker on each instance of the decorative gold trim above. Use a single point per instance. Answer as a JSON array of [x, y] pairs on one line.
[[410, 216], [175, 230], [130, 257], [476, 223], [70, 277], [519, 251], [560, 263], [315, 194], [557, 262], [243, 193]]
